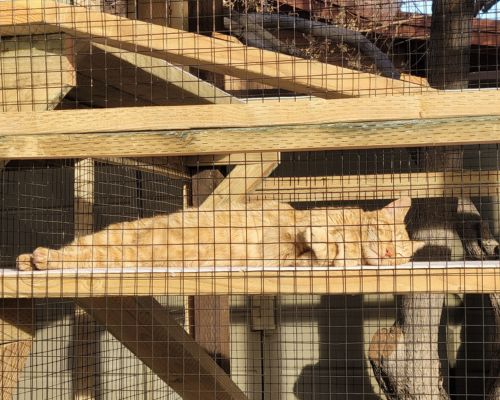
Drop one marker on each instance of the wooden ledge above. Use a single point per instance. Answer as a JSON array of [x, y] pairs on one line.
[[453, 277]]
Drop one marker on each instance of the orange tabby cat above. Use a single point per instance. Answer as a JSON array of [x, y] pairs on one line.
[[350, 236], [265, 233]]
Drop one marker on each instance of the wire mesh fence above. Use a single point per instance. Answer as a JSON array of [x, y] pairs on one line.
[[283, 341], [104, 54], [270, 273]]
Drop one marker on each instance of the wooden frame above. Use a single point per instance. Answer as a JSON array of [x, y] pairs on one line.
[[471, 277], [468, 183], [229, 58], [426, 120]]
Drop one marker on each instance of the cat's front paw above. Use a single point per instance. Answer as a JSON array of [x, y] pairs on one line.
[[23, 262], [44, 258]]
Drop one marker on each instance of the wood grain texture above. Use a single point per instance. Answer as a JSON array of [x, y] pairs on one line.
[[314, 112], [37, 72], [452, 131], [380, 186], [155, 337], [242, 180], [70, 283], [85, 337], [231, 159], [149, 165], [17, 330], [187, 85], [23, 18], [209, 316], [275, 69]]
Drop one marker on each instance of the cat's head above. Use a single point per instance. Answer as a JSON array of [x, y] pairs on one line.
[[385, 240]]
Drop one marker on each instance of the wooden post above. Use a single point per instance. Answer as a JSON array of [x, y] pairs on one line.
[[209, 315], [85, 337]]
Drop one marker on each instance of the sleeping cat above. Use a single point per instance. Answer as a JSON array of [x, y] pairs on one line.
[[265, 233]]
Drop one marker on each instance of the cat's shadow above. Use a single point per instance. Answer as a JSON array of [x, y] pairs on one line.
[[341, 371]]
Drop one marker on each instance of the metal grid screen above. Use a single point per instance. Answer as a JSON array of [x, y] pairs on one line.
[[283, 340]]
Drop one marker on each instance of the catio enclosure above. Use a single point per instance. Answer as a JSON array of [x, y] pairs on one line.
[[302, 199]]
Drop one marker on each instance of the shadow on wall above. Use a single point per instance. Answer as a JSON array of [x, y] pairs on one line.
[[341, 371]]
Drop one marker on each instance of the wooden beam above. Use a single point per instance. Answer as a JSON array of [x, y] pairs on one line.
[[37, 72], [149, 165], [381, 186], [314, 112], [452, 277], [231, 159], [209, 316], [17, 330], [156, 338], [275, 69], [242, 180], [23, 18], [188, 85], [451, 131], [86, 337]]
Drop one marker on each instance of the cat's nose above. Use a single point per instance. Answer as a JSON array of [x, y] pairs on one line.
[[389, 253]]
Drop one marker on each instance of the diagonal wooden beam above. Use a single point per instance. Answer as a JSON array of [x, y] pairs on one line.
[[241, 181], [211, 54], [167, 72], [155, 337], [17, 331]]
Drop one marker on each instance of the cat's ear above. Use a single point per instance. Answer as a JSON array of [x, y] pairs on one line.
[[399, 208]]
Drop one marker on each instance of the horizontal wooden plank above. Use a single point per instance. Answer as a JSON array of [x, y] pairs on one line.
[[450, 131], [149, 165], [380, 186], [313, 112], [453, 277]]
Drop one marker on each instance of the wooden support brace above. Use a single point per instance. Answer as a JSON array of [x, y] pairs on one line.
[[188, 86], [17, 324], [241, 181], [144, 327]]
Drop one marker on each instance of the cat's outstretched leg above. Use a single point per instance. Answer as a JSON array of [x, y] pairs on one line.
[[44, 258]]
